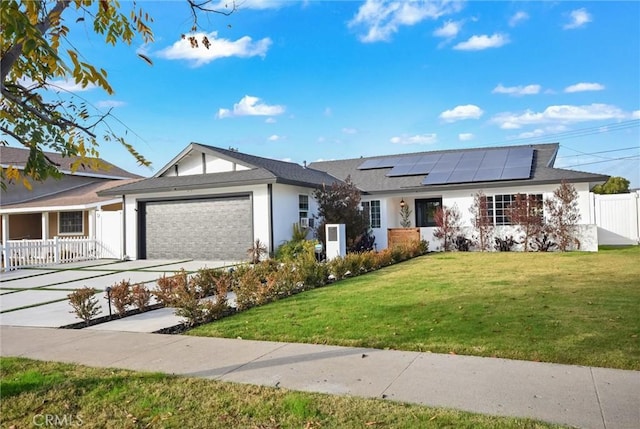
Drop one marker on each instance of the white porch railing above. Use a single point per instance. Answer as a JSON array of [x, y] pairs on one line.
[[59, 250]]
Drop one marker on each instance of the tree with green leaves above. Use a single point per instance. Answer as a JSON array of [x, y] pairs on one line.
[[613, 185], [36, 52], [340, 203]]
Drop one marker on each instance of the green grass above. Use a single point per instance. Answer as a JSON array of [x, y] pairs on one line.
[[112, 398], [573, 308]]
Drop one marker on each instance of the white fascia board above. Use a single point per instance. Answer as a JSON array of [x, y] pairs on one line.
[[75, 207]]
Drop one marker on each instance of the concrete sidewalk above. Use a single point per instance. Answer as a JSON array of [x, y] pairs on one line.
[[574, 395]]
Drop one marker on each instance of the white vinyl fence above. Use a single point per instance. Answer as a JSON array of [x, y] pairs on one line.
[[59, 250], [618, 218]]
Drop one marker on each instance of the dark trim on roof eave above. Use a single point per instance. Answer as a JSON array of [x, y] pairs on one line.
[[481, 185], [282, 181], [185, 187]]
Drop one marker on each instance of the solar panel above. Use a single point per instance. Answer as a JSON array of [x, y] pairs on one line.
[[494, 158], [421, 168], [430, 158], [521, 157], [436, 178], [399, 170], [469, 164], [480, 165], [474, 154], [370, 164], [408, 160], [515, 173], [461, 176], [487, 174]]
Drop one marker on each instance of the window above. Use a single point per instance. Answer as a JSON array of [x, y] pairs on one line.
[[373, 210], [70, 223], [426, 211], [502, 204], [303, 206], [498, 207]]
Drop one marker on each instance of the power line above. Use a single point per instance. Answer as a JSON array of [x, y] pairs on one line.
[[582, 132], [626, 158], [580, 153]]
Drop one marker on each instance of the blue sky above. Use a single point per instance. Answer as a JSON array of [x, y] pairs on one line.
[[304, 81]]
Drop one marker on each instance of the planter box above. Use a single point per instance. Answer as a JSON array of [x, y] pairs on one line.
[[402, 236]]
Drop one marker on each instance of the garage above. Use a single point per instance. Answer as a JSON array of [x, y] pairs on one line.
[[216, 228]]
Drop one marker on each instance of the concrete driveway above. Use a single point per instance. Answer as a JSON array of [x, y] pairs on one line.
[[38, 296]]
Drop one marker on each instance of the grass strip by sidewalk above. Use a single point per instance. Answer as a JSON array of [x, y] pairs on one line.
[[571, 308], [98, 398]]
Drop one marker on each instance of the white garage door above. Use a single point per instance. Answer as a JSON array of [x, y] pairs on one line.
[[206, 229]]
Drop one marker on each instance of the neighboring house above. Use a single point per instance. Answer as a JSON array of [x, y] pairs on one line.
[[428, 180], [213, 203], [65, 207]]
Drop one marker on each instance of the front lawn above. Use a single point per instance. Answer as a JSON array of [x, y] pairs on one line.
[[45, 394], [573, 308]]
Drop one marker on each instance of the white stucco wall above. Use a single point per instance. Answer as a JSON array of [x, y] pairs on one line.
[[285, 210], [193, 164], [260, 201], [463, 199]]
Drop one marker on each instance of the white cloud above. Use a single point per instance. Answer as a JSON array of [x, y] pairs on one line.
[[250, 106], [449, 29], [532, 134], [468, 111], [220, 48], [417, 139], [382, 18], [274, 138], [69, 85], [350, 131], [478, 43], [110, 103], [584, 86], [518, 18], [579, 18], [635, 114], [559, 114], [270, 121], [465, 137], [516, 90]]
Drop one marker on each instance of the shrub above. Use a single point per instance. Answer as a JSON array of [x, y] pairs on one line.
[[338, 266], [120, 296], [247, 289], [399, 253], [140, 296], [383, 258], [543, 243], [185, 295], [206, 280], [166, 291], [311, 273], [463, 244], [84, 303], [257, 251], [506, 244]]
